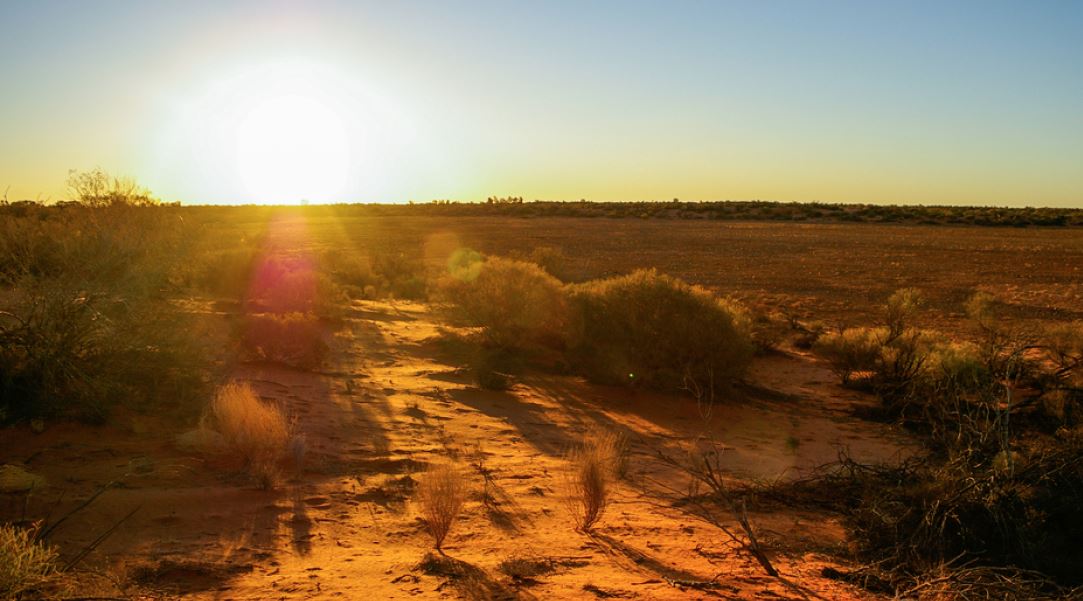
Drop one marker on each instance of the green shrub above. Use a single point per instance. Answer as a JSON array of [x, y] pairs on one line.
[[851, 351], [958, 366], [69, 352], [654, 330], [516, 304]]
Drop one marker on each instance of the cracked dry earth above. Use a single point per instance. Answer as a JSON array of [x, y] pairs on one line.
[[389, 402]]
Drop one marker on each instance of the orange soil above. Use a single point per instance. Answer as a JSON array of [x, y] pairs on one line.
[[390, 402]]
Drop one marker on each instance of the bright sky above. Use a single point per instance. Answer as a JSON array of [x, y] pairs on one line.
[[210, 102]]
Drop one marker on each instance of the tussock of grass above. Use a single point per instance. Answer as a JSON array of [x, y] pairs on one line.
[[256, 431], [587, 483], [25, 563], [441, 493]]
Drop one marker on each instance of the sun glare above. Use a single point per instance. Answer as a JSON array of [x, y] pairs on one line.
[[292, 148]]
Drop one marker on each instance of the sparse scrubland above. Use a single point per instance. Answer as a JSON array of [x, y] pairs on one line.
[[215, 349]]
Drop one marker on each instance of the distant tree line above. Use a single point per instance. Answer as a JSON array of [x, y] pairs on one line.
[[753, 210]]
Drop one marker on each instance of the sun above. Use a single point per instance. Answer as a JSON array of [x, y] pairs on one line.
[[291, 148]]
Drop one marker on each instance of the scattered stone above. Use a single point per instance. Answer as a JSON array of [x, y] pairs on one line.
[[16, 479], [141, 465]]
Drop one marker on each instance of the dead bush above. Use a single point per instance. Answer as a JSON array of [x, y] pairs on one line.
[[653, 330], [441, 493]]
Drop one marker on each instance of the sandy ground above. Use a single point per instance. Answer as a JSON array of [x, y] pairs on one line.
[[388, 403]]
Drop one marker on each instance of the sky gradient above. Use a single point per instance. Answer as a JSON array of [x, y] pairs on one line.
[[906, 103]]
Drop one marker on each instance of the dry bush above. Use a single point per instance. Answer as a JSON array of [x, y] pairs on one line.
[[850, 351], [550, 258], [294, 284], [294, 339], [516, 304], [523, 567], [612, 447], [256, 431], [650, 329], [401, 271], [587, 485], [83, 321], [441, 493], [25, 563], [221, 272]]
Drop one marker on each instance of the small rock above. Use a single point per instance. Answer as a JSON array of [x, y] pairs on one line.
[[16, 479], [141, 465]]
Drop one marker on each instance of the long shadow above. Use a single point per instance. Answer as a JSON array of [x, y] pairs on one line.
[[579, 415], [300, 525], [470, 581], [644, 562]]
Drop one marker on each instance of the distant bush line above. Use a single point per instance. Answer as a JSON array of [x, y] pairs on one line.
[[728, 210]]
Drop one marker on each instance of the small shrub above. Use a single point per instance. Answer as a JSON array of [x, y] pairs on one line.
[[441, 493], [401, 272], [25, 563], [958, 366], [295, 285], [850, 351], [768, 330], [653, 330], [551, 259], [491, 368], [612, 447], [587, 484], [900, 309], [525, 567], [294, 339], [516, 304], [255, 431]]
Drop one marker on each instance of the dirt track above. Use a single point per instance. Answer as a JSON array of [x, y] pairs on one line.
[[388, 403]]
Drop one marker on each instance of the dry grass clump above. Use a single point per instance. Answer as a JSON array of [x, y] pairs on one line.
[[613, 448], [441, 493], [25, 563], [524, 568], [256, 431], [587, 483]]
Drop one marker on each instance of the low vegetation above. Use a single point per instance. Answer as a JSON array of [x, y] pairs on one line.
[[256, 432], [588, 481], [1002, 478], [83, 321], [26, 564], [654, 330], [518, 304], [293, 339], [642, 329], [441, 493]]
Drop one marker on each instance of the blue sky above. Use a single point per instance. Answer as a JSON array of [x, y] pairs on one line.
[[907, 102]]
